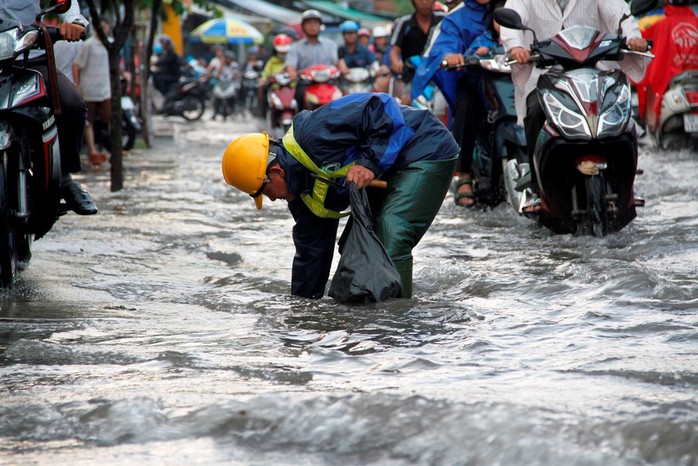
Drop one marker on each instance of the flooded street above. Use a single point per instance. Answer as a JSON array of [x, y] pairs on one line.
[[161, 331]]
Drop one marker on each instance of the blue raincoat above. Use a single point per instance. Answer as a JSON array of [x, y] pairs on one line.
[[455, 34], [394, 142]]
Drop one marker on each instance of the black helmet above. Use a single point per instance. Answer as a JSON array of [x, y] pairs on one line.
[[495, 4], [311, 14], [679, 2]]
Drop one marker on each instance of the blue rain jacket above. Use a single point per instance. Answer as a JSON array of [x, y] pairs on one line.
[[457, 31]]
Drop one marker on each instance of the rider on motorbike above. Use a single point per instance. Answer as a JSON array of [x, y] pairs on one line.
[[310, 50], [275, 64], [227, 72], [551, 16], [410, 37], [676, 50], [451, 40], [167, 69], [71, 123], [353, 54]]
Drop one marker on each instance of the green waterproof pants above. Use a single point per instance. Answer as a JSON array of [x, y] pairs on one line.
[[405, 209]]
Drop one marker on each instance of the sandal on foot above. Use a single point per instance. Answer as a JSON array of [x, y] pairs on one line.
[[458, 196], [98, 158], [532, 206]]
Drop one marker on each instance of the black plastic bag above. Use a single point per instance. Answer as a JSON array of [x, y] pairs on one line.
[[365, 272]]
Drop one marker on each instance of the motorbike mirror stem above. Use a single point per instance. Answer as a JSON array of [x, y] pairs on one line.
[[511, 19], [637, 8]]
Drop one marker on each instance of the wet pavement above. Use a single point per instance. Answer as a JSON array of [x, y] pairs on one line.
[[161, 332]]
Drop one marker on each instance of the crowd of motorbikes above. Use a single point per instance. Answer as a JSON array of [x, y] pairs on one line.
[[585, 159]]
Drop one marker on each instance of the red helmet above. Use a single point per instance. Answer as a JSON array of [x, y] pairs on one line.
[[282, 43], [438, 6]]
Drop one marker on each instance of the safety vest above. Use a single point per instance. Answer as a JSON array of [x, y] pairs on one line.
[[316, 201]]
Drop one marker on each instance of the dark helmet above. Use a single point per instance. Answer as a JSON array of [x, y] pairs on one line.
[[496, 4], [310, 14], [679, 2]]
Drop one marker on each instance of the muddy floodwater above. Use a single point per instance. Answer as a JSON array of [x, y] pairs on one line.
[[161, 331]]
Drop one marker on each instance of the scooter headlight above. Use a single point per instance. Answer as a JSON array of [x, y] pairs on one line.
[[570, 123], [615, 112], [8, 41]]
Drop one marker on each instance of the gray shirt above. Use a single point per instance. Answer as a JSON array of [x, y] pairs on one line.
[[303, 54], [25, 12]]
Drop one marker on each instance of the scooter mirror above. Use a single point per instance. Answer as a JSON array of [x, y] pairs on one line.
[[60, 6], [508, 18], [640, 7]]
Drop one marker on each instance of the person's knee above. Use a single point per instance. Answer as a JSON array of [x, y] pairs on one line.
[[397, 237], [74, 108]]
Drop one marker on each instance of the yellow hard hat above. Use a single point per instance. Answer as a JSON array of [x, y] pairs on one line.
[[245, 164]]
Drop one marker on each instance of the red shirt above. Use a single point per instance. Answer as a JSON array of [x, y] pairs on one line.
[[675, 49]]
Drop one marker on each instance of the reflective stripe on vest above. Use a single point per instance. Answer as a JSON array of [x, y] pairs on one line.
[[316, 202]]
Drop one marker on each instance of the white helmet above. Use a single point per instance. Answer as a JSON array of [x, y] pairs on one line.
[[380, 31]]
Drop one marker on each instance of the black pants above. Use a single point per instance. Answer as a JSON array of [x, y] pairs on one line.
[[71, 123], [301, 86], [468, 117], [533, 124], [164, 82]]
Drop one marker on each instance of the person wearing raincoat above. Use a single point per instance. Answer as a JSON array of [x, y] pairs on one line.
[[356, 139], [452, 38], [675, 50]]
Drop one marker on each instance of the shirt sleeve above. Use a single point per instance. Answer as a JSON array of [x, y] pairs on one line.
[[73, 15], [511, 37], [399, 32], [81, 59], [382, 134], [292, 57]]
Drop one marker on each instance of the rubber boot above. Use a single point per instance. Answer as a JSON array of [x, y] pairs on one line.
[[404, 268]]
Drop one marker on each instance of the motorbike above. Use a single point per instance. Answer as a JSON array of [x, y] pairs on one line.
[[30, 172], [225, 93], [249, 90], [500, 161], [130, 124], [398, 85], [585, 157], [677, 124], [282, 103], [186, 98], [322, 88], [357, 80]]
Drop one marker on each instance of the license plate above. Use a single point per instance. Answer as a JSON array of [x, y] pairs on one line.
[[690, 122]]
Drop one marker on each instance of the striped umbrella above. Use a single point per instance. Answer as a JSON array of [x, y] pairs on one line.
[[226, 30]]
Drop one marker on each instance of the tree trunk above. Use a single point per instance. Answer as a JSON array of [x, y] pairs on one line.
[[115, 137], [146, 106], [121, 29]]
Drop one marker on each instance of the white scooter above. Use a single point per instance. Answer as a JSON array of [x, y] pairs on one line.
[[677, 125]]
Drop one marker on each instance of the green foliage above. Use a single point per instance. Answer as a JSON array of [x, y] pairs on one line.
[[404, 7]]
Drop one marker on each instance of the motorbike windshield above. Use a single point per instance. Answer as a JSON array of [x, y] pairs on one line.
[[578, 37]]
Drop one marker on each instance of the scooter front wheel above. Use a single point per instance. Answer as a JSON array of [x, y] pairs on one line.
[[8, 250], [597, 207], [128, 133], [193, 108]]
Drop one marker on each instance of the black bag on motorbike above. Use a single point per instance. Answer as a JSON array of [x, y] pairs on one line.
[[365, 272]]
